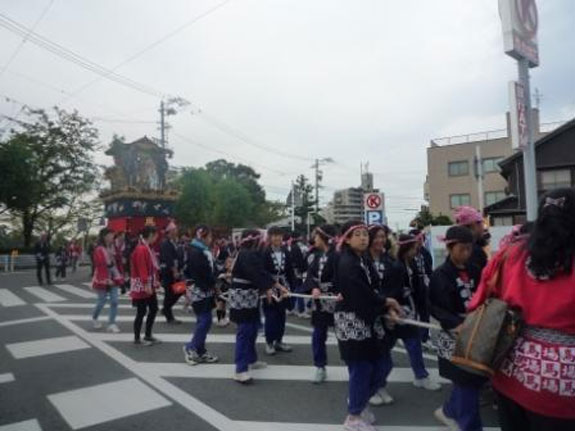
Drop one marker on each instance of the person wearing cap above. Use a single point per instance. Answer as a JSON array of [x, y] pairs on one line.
[[451, 288], [277, 262], [359, 324], [107, 279], [319, 281], [169, 272], [471, 218], [249, 280]]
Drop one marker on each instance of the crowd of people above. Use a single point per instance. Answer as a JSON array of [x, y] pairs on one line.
[[67, 255], [364, 281]]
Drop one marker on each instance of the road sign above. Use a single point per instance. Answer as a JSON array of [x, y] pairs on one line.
[[520, 21], [518, 116], [373, 217], [373, 201]]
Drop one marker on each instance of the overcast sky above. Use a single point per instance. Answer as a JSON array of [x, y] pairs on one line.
[[359, 81]]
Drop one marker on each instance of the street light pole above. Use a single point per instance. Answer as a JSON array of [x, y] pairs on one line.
[[529, 169]]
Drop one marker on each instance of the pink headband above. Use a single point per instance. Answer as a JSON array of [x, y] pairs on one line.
[[320, 230], [348, 233], [467, 215], [409, 241]]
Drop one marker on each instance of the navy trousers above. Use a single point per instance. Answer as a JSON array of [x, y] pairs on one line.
[[415, 353], [365, 378], [246, 354], [463, 407], [318, 340], [203, 325], [275, 323]]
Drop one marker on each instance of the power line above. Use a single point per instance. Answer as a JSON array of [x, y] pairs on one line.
[[62, 52], [25, 38], [149, 47]]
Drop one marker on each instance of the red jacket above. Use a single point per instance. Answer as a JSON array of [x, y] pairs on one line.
[[143, 272], [105, 271], [539, 373]]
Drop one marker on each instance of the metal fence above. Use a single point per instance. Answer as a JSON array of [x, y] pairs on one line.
[[11, 263]]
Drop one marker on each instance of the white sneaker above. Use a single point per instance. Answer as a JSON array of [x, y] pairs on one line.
[[368, 416], [113, 328], [223, 323], [270, 349], [448, 422], [96, 324], [258, 365], [243, 378], [282, 347], [426, 384], [320, 375], [381, 398], [356, 423], [304, 315]]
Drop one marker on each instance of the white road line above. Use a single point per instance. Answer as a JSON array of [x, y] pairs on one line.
[[7, 378], [44, 294], [83, 293], [287, 426], [30, 425], [87, 284], [9, 299], [46, 346], [114, 400], [84, 305], [272, 372], [212, 338], [195, 406], [22, 321]]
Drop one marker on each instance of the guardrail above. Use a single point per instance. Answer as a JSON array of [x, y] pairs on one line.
[[11, 263]]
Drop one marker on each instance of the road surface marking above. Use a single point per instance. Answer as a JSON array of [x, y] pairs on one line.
[[21, 321], [83, 293], [9, 299], [94, 405], [46, 346], [44, 294], [190, 403], [272, 372], [6, 378], [286, 426], [30, 425]]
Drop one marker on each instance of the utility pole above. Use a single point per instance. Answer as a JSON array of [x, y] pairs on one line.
[[292, 206], [162, 124], [319, 177], [479, 177]]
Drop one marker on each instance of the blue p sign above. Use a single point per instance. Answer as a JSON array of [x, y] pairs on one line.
[[373, 217]]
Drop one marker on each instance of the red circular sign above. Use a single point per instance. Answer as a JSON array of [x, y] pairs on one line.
[[373, 201]]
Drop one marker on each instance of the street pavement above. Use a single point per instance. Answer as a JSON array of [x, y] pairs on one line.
[[58, 373]]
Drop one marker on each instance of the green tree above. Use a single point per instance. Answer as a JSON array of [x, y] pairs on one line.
[[46, 164], [304, 201], [233, 204], [196, 197], [426, 218]]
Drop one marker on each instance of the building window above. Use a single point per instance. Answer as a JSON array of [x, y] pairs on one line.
[[503, 221], [555, 179], [491, 164], [458, 169], [492, 197], [459, 200]]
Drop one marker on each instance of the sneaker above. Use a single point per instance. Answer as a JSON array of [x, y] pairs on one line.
[[191, 357], [282, 347], [381, 398], [357, 423], [320, 375], [96, 324], [270, 349], [290, 313], [137, 342], [209, 358], [258, 365], [223, 322], [113, 328], [368, 416], [429, 346], [304, 315], [445, 420], [426, 384], [150, 341], [243, 378]]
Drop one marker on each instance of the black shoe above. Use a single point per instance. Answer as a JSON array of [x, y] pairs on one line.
[[149, 341]]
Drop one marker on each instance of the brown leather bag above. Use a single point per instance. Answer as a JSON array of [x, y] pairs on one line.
[[487, 333]]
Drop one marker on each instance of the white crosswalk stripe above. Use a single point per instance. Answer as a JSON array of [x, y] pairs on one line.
[[46, 346], [44, 294], [287, 426], [82, 293], [6, 378], [29, 425], [10, 299]]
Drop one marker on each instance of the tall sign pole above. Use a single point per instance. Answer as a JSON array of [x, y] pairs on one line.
[[520, 21]]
